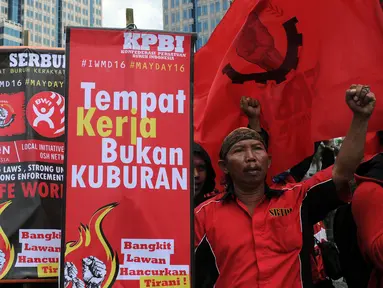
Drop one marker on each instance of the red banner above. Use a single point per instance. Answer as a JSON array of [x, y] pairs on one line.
[[128, 200]]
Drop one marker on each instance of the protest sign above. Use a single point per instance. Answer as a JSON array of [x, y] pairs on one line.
[[32, 126], [128, 202]]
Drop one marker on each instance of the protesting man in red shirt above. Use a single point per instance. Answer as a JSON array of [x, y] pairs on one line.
[[262, 237], [251, 108]]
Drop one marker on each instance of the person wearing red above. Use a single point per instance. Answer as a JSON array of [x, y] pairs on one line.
[[367, 211], [355, 265], [251, 108], [262, 237], [204, 189]]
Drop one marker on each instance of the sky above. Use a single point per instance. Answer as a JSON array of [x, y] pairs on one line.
[[147, 13]]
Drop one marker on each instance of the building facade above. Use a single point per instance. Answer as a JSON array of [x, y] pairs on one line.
[[38, 17], [46, 19], [86, 13], [10, 33], [201, 16]]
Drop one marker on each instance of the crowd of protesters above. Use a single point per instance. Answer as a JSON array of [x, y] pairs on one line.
[[257, 234]]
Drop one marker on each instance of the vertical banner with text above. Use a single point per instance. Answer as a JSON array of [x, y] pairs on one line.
[[128, 205], [32, 126]]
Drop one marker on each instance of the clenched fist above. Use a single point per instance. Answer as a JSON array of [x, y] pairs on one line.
[[361, 100], [255, 44], [93, 271], [250, 107], [70, 273]]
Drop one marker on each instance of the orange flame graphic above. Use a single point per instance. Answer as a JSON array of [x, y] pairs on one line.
[[9, 249], [85, 239]]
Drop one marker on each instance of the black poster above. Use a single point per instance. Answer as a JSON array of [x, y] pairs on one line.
[[32, 126]]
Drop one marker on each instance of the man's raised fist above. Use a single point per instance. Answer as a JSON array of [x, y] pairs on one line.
[[360, 100]]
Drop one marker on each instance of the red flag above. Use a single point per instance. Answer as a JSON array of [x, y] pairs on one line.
[[298, 58], [372, 146]]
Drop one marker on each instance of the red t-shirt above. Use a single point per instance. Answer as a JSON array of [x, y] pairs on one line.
[[272, 247]]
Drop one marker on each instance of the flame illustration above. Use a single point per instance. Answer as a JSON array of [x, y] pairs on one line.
[[9, 249], [74, 245], [85, 239]]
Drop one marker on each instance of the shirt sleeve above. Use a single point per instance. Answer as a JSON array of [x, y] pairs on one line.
[[206, 271], [320, 194], [367, 210]]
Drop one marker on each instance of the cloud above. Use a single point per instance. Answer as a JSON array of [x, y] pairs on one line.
[[147, 13]]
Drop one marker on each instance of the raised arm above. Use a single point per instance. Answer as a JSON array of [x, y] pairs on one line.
[[252, 109], [329, 188], [361, 102]]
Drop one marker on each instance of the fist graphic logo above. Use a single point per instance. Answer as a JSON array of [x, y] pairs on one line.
[[93, 272], [70, 273], [46, 114], [256, 44], [2, 260]]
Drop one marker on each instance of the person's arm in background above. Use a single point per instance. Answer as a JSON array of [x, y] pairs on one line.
[[330, 188], [361, 102]]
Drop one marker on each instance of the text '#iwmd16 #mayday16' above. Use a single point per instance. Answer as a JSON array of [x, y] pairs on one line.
[[128, 201]]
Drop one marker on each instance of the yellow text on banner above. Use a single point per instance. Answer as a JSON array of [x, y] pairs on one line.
[[47, 270], [165, 281]]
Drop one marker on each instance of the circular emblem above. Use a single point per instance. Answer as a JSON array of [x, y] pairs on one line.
[[46, 114], [7, 114]]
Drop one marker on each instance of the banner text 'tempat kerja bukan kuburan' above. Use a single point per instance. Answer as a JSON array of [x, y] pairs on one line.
[[128, 200]]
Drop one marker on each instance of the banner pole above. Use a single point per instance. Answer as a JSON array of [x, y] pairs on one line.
[[130, 19]]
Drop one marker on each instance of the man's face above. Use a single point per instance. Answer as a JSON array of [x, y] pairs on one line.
[[247, 163], [199, 173]]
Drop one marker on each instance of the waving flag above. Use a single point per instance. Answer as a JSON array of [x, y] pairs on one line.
[[298, 58]]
